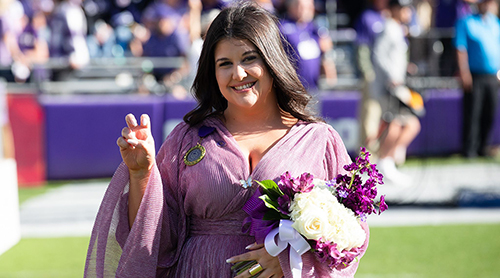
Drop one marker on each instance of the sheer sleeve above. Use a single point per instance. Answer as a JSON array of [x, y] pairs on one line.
[[115, 249], [335, 158]]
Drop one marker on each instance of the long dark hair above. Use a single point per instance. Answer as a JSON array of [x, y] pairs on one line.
[[247, 20]]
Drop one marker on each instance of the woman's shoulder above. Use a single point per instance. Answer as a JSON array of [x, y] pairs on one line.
[[320, 131], [317, 127]]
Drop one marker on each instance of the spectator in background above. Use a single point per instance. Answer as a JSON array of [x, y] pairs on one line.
[[102, 41], [123, 25], [390, 61], [12, 20], [22, 45], [199, 23], [423, 57], [131, 7], [368, 26], [477, 44], [178, 7], [447, 13], [68, 27], [308, 44], [166, 41], [34, 46], [42, 11]]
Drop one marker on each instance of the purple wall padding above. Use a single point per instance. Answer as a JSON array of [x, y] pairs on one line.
[[81, 132]]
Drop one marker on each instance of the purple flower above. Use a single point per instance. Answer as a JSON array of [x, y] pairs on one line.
[[382, 205], [362, 216], [331, 183], [359, 195], [284, 204], [351, 167], [343, 193], [327, 253], [375, 174], [287, 184], [306, 183]]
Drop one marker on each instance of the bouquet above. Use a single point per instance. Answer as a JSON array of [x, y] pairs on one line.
[[315, 215]]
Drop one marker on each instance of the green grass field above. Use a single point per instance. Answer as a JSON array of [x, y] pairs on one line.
[[427, 251], [45, 258], [433, 251]]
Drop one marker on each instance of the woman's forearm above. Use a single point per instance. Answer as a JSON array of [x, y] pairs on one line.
[[138, 183]]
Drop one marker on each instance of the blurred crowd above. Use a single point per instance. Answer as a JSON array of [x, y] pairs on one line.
[[39, 32], [35, 33]]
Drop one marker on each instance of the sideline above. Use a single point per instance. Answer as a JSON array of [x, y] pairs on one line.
[[70, 210]]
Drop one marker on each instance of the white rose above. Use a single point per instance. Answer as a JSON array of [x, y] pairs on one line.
[[310, 223], [309, 214], [317, 214]]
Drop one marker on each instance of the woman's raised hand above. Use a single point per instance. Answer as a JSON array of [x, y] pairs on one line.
[[137, 146]]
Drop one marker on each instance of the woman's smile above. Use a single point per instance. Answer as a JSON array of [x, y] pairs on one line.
[[245, 86]]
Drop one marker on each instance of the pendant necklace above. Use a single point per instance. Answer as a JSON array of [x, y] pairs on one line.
[[197, 153]]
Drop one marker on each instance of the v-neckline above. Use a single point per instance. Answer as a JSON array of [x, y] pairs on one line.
[[275, 145]]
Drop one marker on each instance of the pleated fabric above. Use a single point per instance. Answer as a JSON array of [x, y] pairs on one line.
[[190, 219]]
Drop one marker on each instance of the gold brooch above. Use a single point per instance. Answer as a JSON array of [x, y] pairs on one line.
[[197, 153]]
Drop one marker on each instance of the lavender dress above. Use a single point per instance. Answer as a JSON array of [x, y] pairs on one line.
[[190, 218]]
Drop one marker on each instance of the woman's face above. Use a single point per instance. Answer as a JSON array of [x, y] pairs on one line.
[[242, 75]]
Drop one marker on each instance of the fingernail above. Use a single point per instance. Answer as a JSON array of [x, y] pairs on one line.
[[249, 246], [133, 141], [144, 120], [133, 122], [230, 260]]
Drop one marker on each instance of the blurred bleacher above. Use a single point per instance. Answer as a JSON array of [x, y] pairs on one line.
[[66, 129]]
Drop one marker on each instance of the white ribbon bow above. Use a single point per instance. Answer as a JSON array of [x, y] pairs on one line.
[[287, 235]]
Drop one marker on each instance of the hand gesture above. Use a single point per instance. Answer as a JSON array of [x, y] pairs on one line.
[[269, 265], [137, 146]]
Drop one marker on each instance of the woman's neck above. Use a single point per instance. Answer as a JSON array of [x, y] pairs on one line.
[[255, 121]]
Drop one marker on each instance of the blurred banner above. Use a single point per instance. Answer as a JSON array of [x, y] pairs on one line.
[[27, 122]]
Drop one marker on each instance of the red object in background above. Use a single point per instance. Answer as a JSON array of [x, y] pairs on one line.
[[27, 122]]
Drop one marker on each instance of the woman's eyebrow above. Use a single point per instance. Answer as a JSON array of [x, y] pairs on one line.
[[250, 52], [221, 59], [244, 54]]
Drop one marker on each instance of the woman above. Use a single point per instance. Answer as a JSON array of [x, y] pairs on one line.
[[184, 212]]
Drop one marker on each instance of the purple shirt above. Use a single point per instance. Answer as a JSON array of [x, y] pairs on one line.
[[68, 27], [190, 219], [27, 38], [164, 46], [304, 40], [369, 25], [449, 11]]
